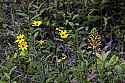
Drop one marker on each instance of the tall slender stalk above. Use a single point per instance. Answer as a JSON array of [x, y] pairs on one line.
[[94, 42], [95, 58]]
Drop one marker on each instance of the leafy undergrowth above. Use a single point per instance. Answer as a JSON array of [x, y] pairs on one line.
[[62, 41]]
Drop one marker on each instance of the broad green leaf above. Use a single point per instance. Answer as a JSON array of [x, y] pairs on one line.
[[114, 59], [105, 55]]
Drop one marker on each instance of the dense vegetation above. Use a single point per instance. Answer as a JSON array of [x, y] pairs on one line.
[[62, 41]]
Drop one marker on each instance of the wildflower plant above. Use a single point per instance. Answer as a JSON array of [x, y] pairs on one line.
[[20, 38], [63, 34], [94, 40], [22, 43], [54, 50]]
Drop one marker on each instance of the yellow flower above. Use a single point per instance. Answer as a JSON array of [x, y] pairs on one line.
[[20, 38], [36, 23], [23, 45], [63, 34]]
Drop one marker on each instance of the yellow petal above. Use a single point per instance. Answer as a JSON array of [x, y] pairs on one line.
[[36, 23]]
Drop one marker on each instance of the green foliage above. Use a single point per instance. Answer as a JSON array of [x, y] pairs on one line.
[[108, 66], [50, 59]]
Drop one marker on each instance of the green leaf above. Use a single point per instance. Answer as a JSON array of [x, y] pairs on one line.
[[35, 31], [123, 65], [118, 68], [49, 80], [114, 59], [2, 81], [21, 14], [14, 82], [80, 28], [36, 17], [7, 75], [35, 6], [75, 16], [71, 24], [24, 52], [12, 69], [15, 55], [103, 55]]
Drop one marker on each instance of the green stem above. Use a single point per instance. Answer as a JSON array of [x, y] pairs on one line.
[[94, 53]]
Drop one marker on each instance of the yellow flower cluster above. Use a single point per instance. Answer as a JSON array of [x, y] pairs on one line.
[[21, 40], [63, 33], [36, 23]]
